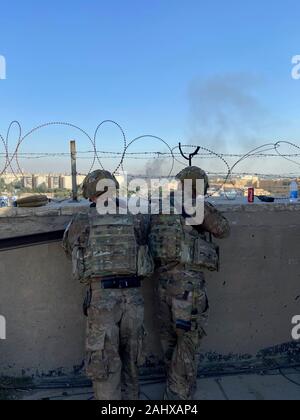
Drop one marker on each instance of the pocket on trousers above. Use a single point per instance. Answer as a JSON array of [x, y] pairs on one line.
[[97, 363], [182, 313]]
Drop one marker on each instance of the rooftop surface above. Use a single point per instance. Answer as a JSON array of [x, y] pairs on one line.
[[283, 385]]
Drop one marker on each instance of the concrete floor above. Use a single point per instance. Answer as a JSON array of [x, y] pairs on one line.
[[275, 386]]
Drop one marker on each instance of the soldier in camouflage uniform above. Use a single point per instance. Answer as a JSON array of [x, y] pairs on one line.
[[182, 253], [110, 255]]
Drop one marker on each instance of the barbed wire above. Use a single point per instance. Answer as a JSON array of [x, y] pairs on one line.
[[155, 154], [265, 151]]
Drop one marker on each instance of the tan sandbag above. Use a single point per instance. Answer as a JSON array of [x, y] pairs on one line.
[[33, 201]]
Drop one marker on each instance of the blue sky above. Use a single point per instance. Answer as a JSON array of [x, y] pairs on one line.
[[171, 68]]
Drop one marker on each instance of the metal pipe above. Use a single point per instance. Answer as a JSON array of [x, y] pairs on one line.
[[74, 170]]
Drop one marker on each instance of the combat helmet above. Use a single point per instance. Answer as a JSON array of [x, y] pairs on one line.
[[89, 187], [194, 173]]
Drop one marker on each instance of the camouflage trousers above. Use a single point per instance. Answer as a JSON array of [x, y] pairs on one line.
[[114, 342], [183, 313]]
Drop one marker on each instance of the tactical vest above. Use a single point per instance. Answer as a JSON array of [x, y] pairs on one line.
[[111, 249], [172, 241]]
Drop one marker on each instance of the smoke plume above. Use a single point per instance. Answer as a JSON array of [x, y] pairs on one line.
[[225, 113]]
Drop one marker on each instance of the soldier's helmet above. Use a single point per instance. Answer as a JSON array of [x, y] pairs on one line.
[[193, 173], [89, 187]]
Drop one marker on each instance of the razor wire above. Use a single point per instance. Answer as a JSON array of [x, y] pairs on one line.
[[268, 150]]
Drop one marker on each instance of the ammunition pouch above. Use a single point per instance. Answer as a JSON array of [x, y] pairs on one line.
[[204, 254]]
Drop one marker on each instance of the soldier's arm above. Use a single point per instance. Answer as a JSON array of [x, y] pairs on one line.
[[142, 228], [215, 222], [76, 233]]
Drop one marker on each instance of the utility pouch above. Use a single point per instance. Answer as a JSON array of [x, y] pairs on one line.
[[182, 312], [206, 255]]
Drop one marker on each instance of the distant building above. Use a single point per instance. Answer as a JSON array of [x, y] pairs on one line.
[[34, 181], [65, 182], [40, 180], [53, 182], [27, 181]]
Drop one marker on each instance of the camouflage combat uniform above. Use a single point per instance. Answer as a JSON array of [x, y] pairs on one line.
[[182, 253], [110, 255]]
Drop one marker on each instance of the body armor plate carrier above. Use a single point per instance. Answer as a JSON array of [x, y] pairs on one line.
[[171, 241], [112, 249]]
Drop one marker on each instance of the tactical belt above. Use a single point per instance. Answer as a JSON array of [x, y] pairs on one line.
[[120, 282]]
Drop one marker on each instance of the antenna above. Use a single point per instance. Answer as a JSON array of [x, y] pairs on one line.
[[191, 155]]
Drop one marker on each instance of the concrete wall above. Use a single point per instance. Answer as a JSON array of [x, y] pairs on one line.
[[252, 299]]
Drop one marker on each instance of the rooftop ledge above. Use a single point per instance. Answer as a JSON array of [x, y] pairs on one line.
[[69, 209]]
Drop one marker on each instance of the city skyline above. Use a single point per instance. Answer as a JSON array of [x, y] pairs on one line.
[[275, 186]]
